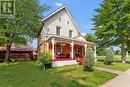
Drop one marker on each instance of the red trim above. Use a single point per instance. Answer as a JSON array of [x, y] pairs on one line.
[[81, 61]]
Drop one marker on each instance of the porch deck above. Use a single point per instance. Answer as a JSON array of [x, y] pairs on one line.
[[60, 61]]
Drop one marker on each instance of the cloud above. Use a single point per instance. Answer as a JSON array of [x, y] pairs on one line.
[[58, 4], [87, 26], [67, 1]]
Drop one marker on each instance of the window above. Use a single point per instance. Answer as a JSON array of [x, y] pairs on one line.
[[58, 30], [70, 33], [59, 19], [68, 22], [58, 48], [81, 51]]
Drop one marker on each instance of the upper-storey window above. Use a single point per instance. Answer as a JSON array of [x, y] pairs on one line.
[[59, 19], [68, 22], [58, 30], [70, 33]]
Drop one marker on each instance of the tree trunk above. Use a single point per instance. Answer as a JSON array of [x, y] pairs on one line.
[[123, 52], [7, 53]]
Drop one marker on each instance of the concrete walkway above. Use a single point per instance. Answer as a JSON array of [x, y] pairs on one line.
[[109, 70], [123, 80]]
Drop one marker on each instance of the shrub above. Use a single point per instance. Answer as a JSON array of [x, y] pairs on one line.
[[89, 60], [109, 57], [101, 51], [46, 59]]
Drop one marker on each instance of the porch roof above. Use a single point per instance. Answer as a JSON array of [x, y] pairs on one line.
[[66, 39]]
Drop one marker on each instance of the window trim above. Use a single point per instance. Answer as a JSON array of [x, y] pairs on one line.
[[71, 33], [59, 29]]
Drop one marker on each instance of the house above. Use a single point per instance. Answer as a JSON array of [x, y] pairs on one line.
[[61, 35], [20, 52]]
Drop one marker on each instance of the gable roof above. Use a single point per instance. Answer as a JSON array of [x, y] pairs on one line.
[[68, 12], [80, 38]]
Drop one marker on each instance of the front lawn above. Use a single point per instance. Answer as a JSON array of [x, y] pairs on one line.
[[29, 75], [117, 57], [115, 65]]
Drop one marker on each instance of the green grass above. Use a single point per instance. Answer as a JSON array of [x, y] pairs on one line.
[[115, 65], [29, 74], [116, 57]]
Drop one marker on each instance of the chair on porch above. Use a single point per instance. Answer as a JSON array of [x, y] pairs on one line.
[[63, 56]]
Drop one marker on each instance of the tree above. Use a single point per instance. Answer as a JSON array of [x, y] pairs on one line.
[[109, 57], [112, 24], [100, 48], [21, 29], [91, 38], [89, 60]]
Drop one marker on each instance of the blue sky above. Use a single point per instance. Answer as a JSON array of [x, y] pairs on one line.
[[81, 10]]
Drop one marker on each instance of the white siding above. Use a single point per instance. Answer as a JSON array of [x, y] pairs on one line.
[[53, 21], [40, 38]]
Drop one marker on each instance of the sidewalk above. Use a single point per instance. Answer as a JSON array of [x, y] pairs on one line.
[[109, 70], [123, 80]]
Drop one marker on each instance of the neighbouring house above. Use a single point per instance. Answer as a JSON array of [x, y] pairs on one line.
[[35, 53], [61, 35], [20, 52]]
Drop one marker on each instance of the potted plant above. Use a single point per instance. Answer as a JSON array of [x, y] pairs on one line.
[[46, 59]]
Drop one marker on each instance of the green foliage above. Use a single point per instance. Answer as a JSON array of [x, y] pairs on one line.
[[22, 29], [89, 60], [90, 37], [118, 52], [112, 23], [101, 51], [46, 59], [109, 57], [100, 48], [45, 56]]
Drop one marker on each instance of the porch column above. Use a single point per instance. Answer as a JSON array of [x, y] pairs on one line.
[[72, 49], [95, 53], [53, 48], [85, 47], [47, 46]]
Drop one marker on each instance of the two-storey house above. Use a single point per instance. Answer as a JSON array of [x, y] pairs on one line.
[[61, 35]]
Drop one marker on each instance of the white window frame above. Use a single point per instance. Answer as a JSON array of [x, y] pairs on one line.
[[59, 29], [71, 34]]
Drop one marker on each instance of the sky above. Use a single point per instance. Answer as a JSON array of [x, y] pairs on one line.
[[81, 10]]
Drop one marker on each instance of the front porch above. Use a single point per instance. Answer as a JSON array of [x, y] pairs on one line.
[[67, 52]]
